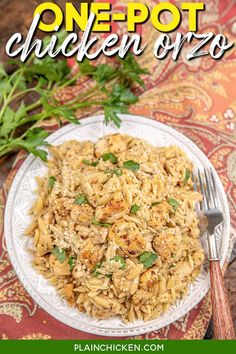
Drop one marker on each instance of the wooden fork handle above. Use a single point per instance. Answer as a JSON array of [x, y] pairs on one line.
[[222, 319]]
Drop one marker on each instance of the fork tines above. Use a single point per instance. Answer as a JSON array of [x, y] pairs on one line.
[[207, 188]]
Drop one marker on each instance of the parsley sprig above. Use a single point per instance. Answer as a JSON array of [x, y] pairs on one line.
[[44, 78], [148, 259]]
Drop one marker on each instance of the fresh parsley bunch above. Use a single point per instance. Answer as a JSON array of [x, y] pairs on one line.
[[45, 78]]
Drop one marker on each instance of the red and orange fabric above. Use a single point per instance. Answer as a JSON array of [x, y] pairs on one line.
[[198, 98]]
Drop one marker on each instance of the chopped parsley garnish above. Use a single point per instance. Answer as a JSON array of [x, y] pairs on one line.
[[100, 223], [134, 208], [71, 262], [120, 260], [59, 253], [148, 259], [109, 156], [131, 165], [117, 171], [51, 182], [173, 203], [81, 199], [94, 163], [187, 175], [95, 272]]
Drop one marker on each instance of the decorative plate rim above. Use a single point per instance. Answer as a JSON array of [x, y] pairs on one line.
[[143, 327]]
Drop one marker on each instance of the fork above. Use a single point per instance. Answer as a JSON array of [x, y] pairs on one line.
[[212, 218]]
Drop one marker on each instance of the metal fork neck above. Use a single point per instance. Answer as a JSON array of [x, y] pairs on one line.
[[213, 252]]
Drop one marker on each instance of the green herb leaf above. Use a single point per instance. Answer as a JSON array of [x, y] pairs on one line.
[[44, 77], [59, 253], [8, 122], [67, 114], [53, 70], [187, 175], [103, 73], [123, 94], [81, 199], [109, 156], [51, 182], [131, 69], [10, 119], [131, 165], [94, 163], [117, 171], [148, 259], [86, 68], [134, 208], [95, 272], [101, 223], [111, 113], [120, 260], [173, 203], [5, 87], [34, 137], [71, 262], [2, 71], [43, 155], [86, 162]]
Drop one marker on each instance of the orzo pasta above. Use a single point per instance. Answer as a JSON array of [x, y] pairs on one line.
[[115, 228]]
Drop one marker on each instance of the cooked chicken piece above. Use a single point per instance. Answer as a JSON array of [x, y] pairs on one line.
[[149, 279], [159, 215], [167, 242], [110, 186], [68, 293], [91, 254], [92, 186], [82, 214], [126, 281], [62, 206], [138, 151], [128, 237], [59, 268], [115, 143], [182, 270], [113, 210], [97, 235]]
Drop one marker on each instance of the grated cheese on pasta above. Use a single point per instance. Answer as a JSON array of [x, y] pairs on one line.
[[115, 228]]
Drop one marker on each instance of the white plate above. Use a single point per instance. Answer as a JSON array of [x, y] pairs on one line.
[[21, 197]]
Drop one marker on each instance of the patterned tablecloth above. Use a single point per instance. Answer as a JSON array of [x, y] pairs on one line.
[[198, 98]]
